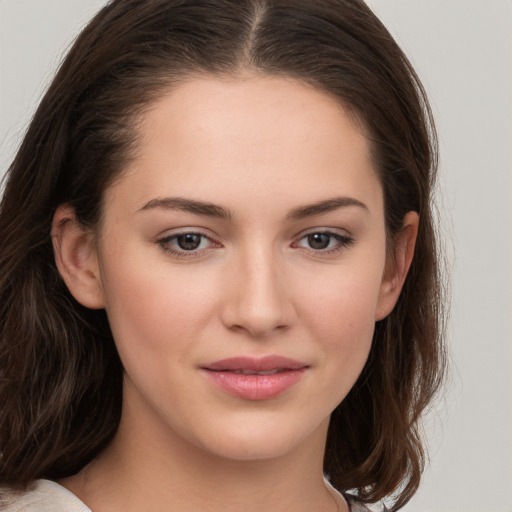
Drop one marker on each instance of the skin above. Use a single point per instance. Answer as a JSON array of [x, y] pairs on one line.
[[261, 148]]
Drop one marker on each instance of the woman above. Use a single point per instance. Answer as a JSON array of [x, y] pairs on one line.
[[219, 281]]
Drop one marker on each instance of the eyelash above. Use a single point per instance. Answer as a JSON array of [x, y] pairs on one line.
[[183, 253], [343, 241]]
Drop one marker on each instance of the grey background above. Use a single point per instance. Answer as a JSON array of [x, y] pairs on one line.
[[462, 50]]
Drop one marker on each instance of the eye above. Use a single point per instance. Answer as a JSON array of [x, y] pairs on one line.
[[186, 243], [324, 241], [189, 241]]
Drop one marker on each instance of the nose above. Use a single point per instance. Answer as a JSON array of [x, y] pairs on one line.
[[258, 301]]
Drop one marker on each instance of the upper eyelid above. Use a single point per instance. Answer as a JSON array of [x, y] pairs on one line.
[[178, 252], [205, 232], [344, 241], [174, 232], [347, 239], [173, 236], [324, 230]]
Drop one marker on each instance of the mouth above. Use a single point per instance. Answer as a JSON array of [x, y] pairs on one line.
[[255, 378], [252, 372]]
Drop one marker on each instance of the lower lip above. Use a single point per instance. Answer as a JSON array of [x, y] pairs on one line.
[[255, 387]]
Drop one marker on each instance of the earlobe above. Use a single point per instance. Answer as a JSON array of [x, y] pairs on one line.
[[76, 258], [397, 265]]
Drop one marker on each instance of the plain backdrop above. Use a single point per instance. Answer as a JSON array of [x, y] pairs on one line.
[[462, 50]]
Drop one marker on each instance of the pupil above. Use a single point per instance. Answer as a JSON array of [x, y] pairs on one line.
[[318, 240], [189, 242]]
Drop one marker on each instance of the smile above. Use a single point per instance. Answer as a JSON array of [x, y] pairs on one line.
[[255, 379], [252, 372]]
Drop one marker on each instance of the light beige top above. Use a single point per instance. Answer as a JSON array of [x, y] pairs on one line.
[[48, 496], [42, 496]]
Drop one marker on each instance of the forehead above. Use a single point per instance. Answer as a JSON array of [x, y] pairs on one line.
[[257, 137]]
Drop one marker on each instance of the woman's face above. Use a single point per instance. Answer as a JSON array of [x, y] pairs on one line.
[[242, 265]]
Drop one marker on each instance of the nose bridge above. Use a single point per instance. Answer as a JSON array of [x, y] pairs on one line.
[[258, 302]]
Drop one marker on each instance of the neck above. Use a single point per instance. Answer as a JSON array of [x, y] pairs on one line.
[[147, 467]]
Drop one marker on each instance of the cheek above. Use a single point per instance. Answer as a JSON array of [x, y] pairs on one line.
[[345, 305], [155, 309], [342, 320]]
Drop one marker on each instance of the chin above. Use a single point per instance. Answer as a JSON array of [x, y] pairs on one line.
[[252, 441], [247, 451]]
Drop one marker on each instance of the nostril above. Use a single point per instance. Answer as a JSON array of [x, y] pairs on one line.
[[257, 300], [258, 329]]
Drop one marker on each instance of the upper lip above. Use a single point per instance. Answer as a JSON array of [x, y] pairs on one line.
[[255, 364]]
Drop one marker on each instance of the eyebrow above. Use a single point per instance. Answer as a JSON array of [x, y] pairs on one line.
[[213, 210], [188, 205], [325, 206]]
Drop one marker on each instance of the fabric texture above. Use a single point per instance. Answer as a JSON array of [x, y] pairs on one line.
[[48, 496], [42, 496], [357, 506]]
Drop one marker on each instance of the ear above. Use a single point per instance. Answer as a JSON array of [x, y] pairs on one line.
[[76, 257], [397, 265]]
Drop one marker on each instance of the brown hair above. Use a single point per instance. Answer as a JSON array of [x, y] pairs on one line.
[[60, 375]]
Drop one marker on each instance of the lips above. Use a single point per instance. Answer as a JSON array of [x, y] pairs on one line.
[[255, 378]]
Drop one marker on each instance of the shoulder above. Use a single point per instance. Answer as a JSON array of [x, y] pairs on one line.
[[41, 496], [354, 504], [357, 506]]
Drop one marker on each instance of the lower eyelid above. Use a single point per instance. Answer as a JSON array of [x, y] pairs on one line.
[[343, 241], [165, 241]]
